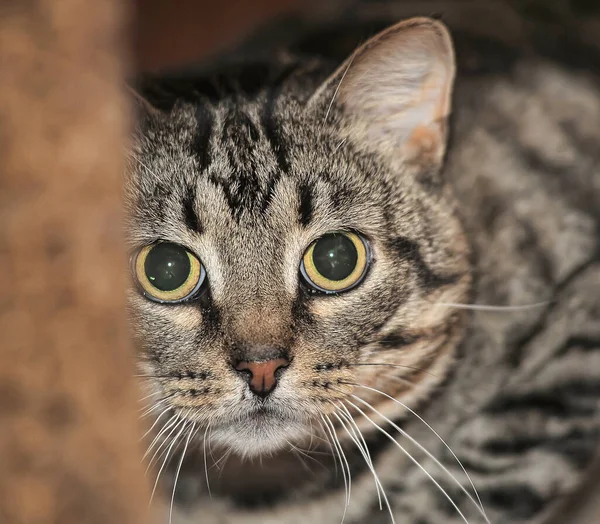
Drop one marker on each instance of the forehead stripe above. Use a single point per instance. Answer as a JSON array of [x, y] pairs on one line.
[[201, 145], [273, 131], [189, 210], [305, 209]]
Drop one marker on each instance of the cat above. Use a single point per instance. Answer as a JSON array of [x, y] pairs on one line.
[[366, 289]]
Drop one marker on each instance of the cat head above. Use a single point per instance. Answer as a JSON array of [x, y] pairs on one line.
[[292, 248]]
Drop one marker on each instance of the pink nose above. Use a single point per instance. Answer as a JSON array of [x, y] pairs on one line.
[[263, 375]]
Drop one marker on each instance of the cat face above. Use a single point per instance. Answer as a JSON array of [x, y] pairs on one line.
[[292, 246]]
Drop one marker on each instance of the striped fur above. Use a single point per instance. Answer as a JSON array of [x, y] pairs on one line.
[[243, 166]]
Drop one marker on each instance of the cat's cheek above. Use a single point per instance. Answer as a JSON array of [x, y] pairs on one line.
[[185, 317]]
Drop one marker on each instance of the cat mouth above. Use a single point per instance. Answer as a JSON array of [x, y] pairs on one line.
[[262, 408], [265, 414], [261, 413], [261, 429]]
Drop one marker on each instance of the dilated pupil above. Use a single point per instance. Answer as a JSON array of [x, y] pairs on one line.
[[335, 256], [167, 266]]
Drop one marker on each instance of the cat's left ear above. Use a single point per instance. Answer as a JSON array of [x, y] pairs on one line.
[[396, 90]]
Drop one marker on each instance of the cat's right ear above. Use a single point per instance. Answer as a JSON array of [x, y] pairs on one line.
[[395, 91]]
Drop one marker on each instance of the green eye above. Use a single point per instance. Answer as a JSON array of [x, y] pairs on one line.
[[168, 272], [335, 262]]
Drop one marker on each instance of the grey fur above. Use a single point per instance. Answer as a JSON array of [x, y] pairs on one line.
[[229, 172]]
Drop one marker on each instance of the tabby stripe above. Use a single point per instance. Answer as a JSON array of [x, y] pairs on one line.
[[211, 317], [201, 148], [189, 210], [271, 125], [516, 353], [305, 209], [232, 202], [531, 245], [270, 192], [396, 339], [566, 182], [239, 127], [576, 194], [477, 466], [579, 342], [369, 334], [161, 194], [409, 250], [301, 311], [519, 499], [577, 447], [579, 450], [559, 402], [240, 135]]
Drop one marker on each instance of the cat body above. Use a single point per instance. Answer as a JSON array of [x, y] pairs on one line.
[[250, 165]]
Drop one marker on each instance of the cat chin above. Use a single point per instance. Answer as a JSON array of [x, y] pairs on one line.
[[258, 437]]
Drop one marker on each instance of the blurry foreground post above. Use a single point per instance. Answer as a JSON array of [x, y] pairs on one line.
[[68, 422]]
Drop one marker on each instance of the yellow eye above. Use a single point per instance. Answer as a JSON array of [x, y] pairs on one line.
[[335, 262], [168, 272]]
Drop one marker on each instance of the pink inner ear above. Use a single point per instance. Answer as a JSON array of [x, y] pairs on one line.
[[399, 85]]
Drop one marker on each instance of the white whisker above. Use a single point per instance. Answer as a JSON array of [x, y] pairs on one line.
[[300, 456], [304, 453], [166, 426], [410, 457], [164, 444], [338, 88], [478, 504], [345, 463], [153, 407], [342, 142], [365, 453], [358, 434], [150, 395], [210, 451], [312, 435], [173, 442], [206, 460], [314, 451], [171, 425], [223, 458], [402, 380], [154, 424], [148, 170], [330, 447], [187, 442], [484, 307], [339, 456]]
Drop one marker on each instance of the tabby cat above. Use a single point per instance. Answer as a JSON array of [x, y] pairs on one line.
[[366, 288]]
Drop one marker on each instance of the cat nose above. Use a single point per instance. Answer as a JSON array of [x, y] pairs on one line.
[[262, 375]]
